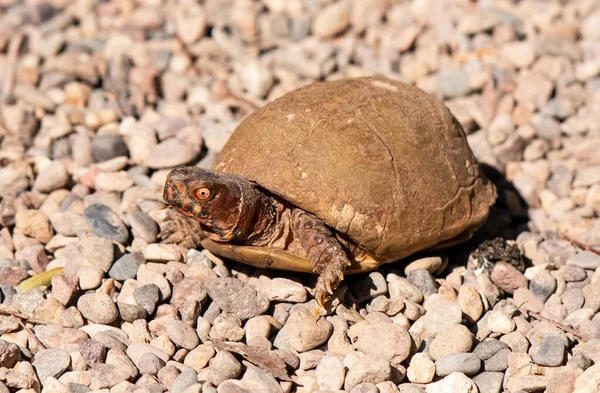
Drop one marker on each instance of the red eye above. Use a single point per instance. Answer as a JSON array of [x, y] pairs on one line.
[[203, 193]]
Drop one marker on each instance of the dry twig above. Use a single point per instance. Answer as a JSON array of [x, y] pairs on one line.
[[559, 325], [579, 244]]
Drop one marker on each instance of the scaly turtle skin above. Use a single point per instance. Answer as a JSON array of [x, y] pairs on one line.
[[337, 177]]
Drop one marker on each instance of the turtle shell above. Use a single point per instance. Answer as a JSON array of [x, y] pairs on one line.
[[378, 160]]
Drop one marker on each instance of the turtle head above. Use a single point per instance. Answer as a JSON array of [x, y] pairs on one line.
[[218, 201]]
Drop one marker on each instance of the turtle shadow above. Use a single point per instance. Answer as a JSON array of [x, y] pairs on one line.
[[508, 218]]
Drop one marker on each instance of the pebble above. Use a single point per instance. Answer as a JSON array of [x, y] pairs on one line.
[[302, 332], [9, 354], [147, 296], [107, 147], [52, 177], [585, 259], [386, 340], [181, 334], [223, 366], [452, 340], [126, 267], [367, 369], [143, 226], [331, 373], [34, 223], [283, 289], [199, 357], [236, 297], [508, 278], [550, 351], [543, 285], [106, 376], [256, 380], [466, 363], [527, 383], [431, 264], [161, 155], [423, 280], [150, 364], [90, 277], [456, 382], [489, 382], [97, 308], [470, 303], [113, 181], [499, 322], [332, 19], [421, 369], [105, 223], [441, 314]]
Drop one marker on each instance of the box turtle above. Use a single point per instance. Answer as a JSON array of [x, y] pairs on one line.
[[334, 177]]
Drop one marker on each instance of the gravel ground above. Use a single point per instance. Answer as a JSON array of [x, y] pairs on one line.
[[99, 99]]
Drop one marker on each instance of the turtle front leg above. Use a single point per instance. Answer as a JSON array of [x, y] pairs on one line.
[[324, 251]]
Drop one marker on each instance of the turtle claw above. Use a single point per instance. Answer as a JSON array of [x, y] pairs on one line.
[[328, 287], [321, 301]]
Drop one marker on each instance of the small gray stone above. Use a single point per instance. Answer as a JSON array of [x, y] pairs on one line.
[[236, 297], [147, 297], [466, 363], [131, 312], [543, 285], [222, 367], [106, 223], [184, 380], [489, 347], [423, 280], [580, 360], [126, 267], [364, 388], [50, 363], [489, 382], [106, 147], [498, 362], [550, 351], [143, 226]]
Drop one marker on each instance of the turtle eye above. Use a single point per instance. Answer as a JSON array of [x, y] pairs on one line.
[[203, 193]]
